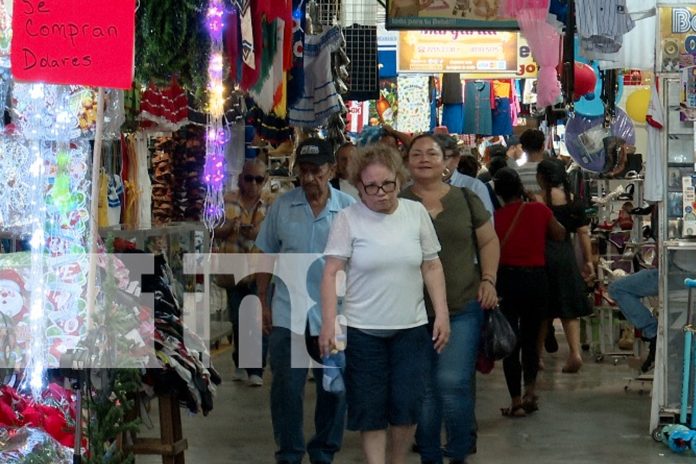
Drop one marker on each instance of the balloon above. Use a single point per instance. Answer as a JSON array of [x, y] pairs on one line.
[[637, 104], [622, 127], [585, 80]]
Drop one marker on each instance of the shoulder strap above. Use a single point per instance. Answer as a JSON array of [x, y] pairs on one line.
[[512, 225], [466, 192]]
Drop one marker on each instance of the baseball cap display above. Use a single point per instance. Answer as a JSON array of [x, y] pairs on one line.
[[315, 151]]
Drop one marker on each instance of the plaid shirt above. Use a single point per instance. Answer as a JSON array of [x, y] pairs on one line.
[[237, 243]]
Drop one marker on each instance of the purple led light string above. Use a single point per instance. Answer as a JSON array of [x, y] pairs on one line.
[[214, 169]]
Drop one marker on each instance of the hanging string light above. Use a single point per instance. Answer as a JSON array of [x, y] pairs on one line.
[[37, 277], [214, 169]]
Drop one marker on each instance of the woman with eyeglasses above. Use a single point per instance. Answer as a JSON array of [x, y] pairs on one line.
[[469, 257], [388, 249]]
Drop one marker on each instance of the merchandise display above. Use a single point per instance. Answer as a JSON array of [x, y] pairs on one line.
[[242, 122]]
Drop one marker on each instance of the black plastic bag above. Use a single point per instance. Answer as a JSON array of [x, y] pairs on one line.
[[498, 340]]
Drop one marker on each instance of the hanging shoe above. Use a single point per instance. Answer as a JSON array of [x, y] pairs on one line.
[[643, 211], [628, 193]]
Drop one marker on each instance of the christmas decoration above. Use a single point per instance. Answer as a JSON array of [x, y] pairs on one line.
[[214, 170], [172, 40]]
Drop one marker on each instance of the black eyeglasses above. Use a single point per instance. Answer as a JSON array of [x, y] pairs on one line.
[[387, 187], [259, 179]]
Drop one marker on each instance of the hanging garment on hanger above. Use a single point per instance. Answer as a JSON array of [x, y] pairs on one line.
[[502, 88], [477, 108], [452, 91], [413, 98], [501, 117], [632, 54], [654, 166], [320, 98], [103, 201], [434, 116], [271, 74], [233, 42], [453, 117], [296, 72], [252, 39], [247, 31], [601, 25]]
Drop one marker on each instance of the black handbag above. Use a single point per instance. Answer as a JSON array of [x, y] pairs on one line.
[[498, 339]]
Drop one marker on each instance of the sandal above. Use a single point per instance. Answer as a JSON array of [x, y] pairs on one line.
[[530, 403], [514, 411]]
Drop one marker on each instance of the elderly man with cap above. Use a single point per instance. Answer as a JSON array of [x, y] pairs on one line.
[[299, 222]]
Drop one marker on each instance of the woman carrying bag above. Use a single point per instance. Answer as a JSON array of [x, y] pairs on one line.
[[523, 228], [469, 258]]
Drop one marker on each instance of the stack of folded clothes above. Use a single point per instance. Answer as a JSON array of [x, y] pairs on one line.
[[162, 182], [187, 167]]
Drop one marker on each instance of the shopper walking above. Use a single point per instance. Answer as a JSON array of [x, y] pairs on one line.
[[388, 248], [466, 235], [568, 298], [523, 228], [299, 222], [244, 213]]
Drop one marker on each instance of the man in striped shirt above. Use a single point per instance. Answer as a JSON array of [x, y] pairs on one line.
[[532, 141], [602, 24]]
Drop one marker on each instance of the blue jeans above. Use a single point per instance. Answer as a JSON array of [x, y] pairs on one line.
[[287, 405], [450, 394], [235, 295], [628, 291]]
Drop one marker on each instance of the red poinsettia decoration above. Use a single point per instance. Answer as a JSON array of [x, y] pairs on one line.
[[55, 413]]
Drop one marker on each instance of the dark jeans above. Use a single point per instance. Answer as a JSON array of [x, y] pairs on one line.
[[524, 294], [235, 295], [450, 394], [287, 405]]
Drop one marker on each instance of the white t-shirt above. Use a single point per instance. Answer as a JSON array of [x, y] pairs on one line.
[[638, 43], [654, 165], [384, 253]]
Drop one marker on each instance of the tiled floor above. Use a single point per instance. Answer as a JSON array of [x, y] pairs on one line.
[[583, 418]]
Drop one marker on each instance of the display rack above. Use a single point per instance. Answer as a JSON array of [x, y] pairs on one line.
[[603, 327], [175, 240], [677, 260]]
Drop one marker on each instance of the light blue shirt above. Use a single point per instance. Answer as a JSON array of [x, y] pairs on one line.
[[291, 227], [479, 188]]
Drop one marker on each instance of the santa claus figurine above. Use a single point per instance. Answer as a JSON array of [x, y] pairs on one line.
[[13, 329]]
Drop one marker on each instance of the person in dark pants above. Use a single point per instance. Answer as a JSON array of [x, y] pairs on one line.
[[523, 227], [244, 213], [299, 222]]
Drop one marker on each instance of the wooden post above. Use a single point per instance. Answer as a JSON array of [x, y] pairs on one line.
[[171, 444]]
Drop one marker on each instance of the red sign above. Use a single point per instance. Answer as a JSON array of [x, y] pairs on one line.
[[82, 42]]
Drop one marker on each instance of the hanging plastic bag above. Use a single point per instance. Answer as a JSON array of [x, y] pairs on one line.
[[498, 339]]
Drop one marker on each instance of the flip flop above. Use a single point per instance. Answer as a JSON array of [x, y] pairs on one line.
[[514, 411], [530, 403]]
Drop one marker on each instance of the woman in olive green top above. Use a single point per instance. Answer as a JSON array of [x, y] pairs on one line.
[[462, 225]]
